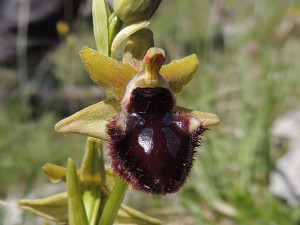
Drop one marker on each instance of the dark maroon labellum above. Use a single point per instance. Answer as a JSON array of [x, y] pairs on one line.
[[152, 149]]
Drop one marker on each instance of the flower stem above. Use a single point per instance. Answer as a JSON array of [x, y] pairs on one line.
[[113, 203], [92, 199]]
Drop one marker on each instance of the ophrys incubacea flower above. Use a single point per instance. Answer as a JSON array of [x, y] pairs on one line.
[[152, 141]]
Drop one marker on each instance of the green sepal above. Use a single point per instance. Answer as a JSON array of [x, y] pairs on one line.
[[113, 76], [55, 173], [76, 209], [90, 121]]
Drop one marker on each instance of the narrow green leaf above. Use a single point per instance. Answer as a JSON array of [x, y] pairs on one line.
[[113, 203], [53, 208], [127, 213], [101, 14], [114, 26], [77, 213]]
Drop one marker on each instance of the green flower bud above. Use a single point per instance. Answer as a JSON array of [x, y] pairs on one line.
[[136, 48], [132, 11]]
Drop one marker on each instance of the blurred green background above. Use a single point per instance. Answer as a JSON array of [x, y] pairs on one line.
[[249, 75]]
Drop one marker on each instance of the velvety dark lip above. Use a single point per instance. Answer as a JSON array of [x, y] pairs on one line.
[[154, 150]]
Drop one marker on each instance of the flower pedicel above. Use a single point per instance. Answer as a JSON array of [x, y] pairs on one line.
[[152, 147]]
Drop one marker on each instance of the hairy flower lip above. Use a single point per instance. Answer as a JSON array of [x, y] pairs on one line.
[[152, 147]]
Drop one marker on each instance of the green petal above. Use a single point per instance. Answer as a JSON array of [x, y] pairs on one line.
[[179, 72], [90, 121], [76, 209], [53, 208], [110, 74], [207, 119]]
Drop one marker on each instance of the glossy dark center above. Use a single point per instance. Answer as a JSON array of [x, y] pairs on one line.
[[154, 151], [151, 101]]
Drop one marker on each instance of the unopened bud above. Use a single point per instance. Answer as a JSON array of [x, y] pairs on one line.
[[136, 48], [132, 11]]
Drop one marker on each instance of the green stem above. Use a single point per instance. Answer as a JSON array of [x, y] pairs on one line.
[[113, 203], [91, 199], [96, 208]]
